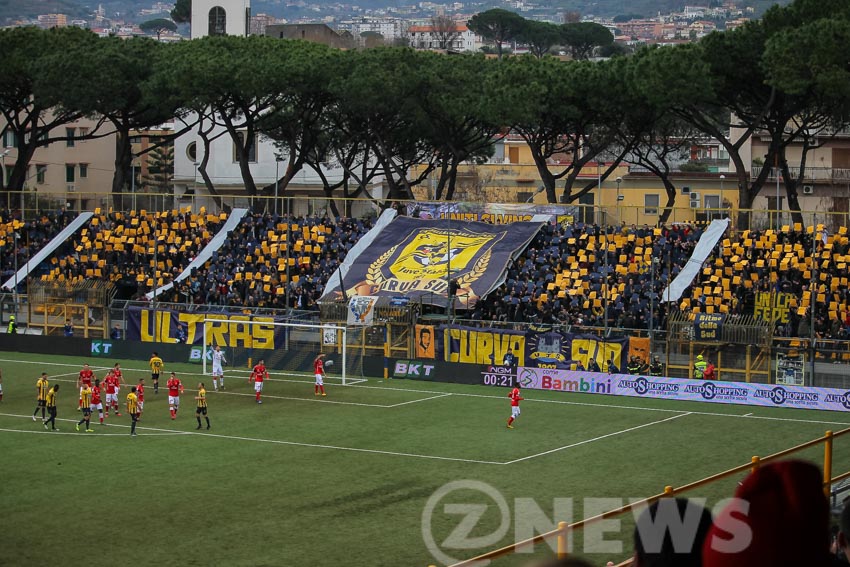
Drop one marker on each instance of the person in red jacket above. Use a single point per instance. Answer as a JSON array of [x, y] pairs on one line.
[[708, 373]]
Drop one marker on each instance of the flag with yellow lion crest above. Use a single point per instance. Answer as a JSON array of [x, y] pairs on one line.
[[418, 258]]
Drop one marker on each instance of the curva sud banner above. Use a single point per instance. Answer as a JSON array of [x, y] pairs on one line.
[[768, 395], [416, 258], [227, 331], [537, 347]]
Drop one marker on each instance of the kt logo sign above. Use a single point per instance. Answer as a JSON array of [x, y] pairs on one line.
[[100, 348]]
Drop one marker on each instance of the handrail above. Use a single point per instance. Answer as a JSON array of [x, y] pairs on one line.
[[669, 491]]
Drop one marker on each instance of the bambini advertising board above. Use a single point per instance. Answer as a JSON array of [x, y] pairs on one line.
[[767, 395]]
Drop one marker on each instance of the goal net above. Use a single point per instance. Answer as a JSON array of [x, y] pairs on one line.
[[286, 349]]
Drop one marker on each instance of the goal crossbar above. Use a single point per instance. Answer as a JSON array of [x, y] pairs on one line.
[[328, 336]]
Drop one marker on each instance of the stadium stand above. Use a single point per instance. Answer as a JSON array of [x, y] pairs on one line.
[[560, 278], [250, 269], [33, 235], [118, 246]]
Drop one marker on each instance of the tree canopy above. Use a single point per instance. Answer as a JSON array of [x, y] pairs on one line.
[[498, 25], [158, 26], [399, 114]]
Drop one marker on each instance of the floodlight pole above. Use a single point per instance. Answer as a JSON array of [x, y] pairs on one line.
[[155, 286], [15, 290]]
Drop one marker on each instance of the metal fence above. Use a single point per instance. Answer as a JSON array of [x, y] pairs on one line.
[[32, 205]]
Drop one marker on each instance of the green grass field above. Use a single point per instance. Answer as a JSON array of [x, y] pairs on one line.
[[344, 480]]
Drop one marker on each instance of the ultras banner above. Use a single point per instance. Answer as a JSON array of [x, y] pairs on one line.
[[539, 348], [495, 213], [226, 331], [416, 258]]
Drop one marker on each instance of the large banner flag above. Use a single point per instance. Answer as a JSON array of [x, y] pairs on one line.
[[494, 213], [227, 331], [703, 249], [361, 310], [532, 348], [417, 258]]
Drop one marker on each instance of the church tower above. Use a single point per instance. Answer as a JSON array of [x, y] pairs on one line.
[[220, 17]]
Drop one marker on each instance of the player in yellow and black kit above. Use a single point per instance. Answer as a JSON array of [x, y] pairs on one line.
[[85, 401], [202, 405], [41, 387], [133, 409], [50, 402], [156, 365]]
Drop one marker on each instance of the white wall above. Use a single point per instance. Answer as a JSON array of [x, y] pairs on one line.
[[237, 12]]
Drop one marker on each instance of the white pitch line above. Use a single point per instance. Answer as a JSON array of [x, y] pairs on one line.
[[616, 406], [282, 442], [586, 441], [354, 449], [747, 415], [417, 401], [502, 398], [80, 434]]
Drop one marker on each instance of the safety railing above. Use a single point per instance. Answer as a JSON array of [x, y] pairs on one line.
[[562, 533], [32, 204]]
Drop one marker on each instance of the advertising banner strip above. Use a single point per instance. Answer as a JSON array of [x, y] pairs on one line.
[[743, 393], [417, 258], [227, 331]]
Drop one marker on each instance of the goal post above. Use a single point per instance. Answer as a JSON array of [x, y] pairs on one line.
[[288, 348]]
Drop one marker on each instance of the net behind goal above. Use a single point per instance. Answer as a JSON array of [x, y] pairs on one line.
[[288, 348]]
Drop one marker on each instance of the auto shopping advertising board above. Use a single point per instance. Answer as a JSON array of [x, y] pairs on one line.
[[767, 395]]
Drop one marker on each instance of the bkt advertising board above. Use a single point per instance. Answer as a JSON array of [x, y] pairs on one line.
[[766, 395]]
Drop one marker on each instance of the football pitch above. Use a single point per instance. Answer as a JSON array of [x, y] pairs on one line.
[[345, 479]]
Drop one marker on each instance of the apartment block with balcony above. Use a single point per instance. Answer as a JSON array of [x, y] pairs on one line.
[[826, 174], [76, 172]]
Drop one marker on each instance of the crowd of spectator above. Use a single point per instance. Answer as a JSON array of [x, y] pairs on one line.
[[250, 269], [793, 277], [564, 274], [119, 247], [32, 236], [569, 274]]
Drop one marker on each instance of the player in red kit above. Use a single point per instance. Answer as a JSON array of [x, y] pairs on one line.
[[86, 376], [516, 398], [111, 385], [258, 376], [95, 400], [319, 371], [175, 388], [140, 394]]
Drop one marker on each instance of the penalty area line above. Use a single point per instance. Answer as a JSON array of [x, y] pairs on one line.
[[417, 401], [81, 434], [586, 441], [272, 441]]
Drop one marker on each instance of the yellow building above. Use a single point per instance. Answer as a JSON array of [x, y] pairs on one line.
[[639, 197]]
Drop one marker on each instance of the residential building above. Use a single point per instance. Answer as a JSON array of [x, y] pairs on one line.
[[48, 21], [259, 23], [429, 37], [266, 163], [317, 33], [391, 30], [826, 175], [75, 172]]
